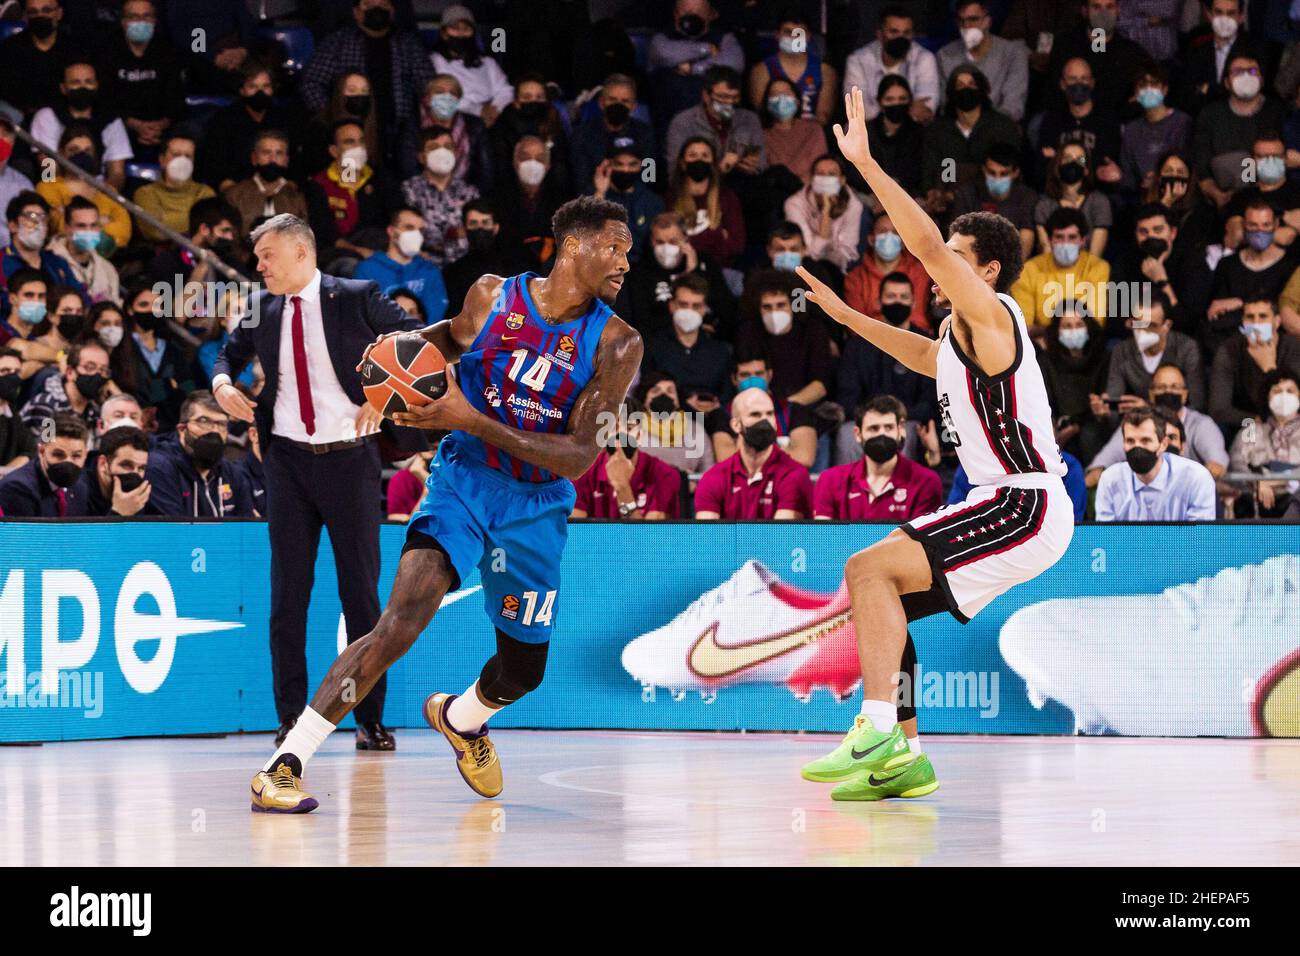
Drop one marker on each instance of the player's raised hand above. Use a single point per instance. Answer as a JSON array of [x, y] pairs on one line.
[[852, 137], [820, 294]]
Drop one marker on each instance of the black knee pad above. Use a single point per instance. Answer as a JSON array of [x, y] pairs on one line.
[[911, 673], [515, 669]]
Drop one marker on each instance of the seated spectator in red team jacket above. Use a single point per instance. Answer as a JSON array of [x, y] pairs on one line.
[[882, 485], [760, 481], [625, 483]]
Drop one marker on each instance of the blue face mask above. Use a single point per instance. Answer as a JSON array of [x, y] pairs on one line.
[[888, 245], [31, 312], [782, 107], [1149, 97], [86, 239], [787, 261], [1261, 240], [1073, 338], [444, 105], [1262, 332], [139, 31], [1272, 169], [753, 381], [1066, 254], [998, 186]]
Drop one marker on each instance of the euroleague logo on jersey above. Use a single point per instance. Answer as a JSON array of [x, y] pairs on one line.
[[566, 349], [510, 607]]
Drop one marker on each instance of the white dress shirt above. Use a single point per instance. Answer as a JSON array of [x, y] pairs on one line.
[[1182, 490]]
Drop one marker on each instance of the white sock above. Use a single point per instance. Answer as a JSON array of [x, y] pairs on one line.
[[882, 714], [308, 733], [914, 745], [467, 713]]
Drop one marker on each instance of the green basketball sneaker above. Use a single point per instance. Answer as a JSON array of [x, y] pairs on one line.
[[863, 748], [912, 779]]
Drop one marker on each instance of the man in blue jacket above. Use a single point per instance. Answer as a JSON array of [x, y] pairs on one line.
[[192, 479], [403, 266]]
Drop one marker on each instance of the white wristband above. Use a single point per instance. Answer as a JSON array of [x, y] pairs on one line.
[[219, 380]]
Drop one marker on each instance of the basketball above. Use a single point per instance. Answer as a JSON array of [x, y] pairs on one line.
[[402, 372]]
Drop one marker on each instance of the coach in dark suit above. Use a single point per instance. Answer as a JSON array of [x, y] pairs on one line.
[[320, 455]]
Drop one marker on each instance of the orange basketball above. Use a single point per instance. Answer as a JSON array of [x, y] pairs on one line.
[[401, 372]]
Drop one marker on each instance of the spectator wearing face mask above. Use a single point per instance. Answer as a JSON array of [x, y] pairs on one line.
[[531, 114], [710, 210], [1070, 185], [1081, 117], [27, 299], [1151, 343], [192, 479], [957, 141], [12, 181], [1243, 362], [267, 191], [1172, 267], [681, 58], [894, 51], [17, 444], [796, 425], [795, 62], [143, 77], [1264, 180], [403, 266], [77, 145], [1260, 269], [791, 140], [624, 482], [1160, 129], [675, 432], [487, 253], [796, 344], [1225, 128], [470, 141], [439, 197], [612, 126], [619, 179], [213, 227], [76, 392], [486, 90], [533, 196], [29, 225], [760, 482], [1168, 393], [170, 199], [1221, 36], [80, 101], [237, 126], [1004, 62], [883, 485], [1075, 364], [50, 486], [350, 202], [158, 373], [1113, 58], [1065, 271], [695, 359], [1271, 443], [1194, 215], [78, 246], [897, 141], [1001, 190], [117, 411], [1150, 484], [886, 256], [65, 320], [644, 299], [734, 134], [115, 484], [32, 60], [828, 214]]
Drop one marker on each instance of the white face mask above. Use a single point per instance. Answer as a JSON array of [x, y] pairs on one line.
[[778, 323], [111, 336], [354, 158], [1245, 86], [441, 161], [826, 185], [532, 172], [687, 320], [409, 241], [180, 168], [1145, 339], [972, 37], [668, 255], [1284, 404], [1225, 28]]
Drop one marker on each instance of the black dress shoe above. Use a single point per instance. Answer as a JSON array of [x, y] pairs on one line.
[[284, 730], [375, 736]]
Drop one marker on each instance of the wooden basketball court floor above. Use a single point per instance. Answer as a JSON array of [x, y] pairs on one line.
[[616, 798]]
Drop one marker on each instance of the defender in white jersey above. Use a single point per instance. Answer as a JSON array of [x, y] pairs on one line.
[[1017, 520]]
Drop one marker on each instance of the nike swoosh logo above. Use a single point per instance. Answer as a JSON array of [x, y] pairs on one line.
[[859, 756], [708, 658], [876, 781]]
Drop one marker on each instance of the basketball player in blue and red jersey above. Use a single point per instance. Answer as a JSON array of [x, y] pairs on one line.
[[543, 366], [1017, 520]]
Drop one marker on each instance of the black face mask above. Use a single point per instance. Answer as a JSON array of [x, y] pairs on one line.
[[760, 435], [207, 449], [897, 47], [461, 45], [377, 19], [616, 114], [967, 98], [358, 106], [1152, 248], [896, 313], [63, 474], [71, 326], [81, 98], [480, 240], [145, 321], [10, 385], [698, 171], [270, 172], [85, 162], [1070, 173], [691, 25], [623, 179], [42, 27], [624, 444], [259, 101], [89, 386], [225, 248], [1169, 400], [661, 404], [896, 112], [130, 481], [1141, 460], [533, 110], [880, 448]]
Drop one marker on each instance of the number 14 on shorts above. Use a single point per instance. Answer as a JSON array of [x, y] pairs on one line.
[[532, 613]]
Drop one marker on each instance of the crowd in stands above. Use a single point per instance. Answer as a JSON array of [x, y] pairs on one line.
[[1147, 150]]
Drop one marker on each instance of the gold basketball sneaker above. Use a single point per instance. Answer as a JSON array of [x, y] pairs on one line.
[[476, 758], [279, 790]]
